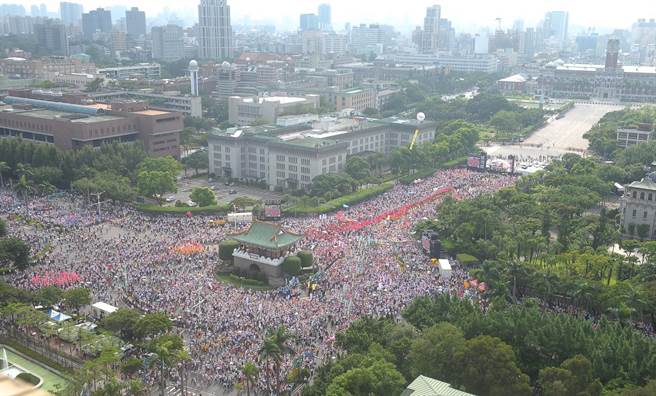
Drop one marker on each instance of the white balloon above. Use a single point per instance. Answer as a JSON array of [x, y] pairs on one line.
[[421, 117]]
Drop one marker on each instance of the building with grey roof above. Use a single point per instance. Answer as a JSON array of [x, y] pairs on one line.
[[426, 386]]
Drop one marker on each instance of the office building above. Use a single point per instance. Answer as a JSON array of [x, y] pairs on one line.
[[70, 13], [12, 9], [555, 26], [193, 77], [430, 34], [608, 82], [367, 39], [309, 22], [469, 64], [290, 157], [135, 23], [324, 17], [245, 111], [215, 31], [145, 71], [168, 43], [481, 44], [638, 209], [96, 21], [70, 126], [51, 35], [356, 99], [166, 101]]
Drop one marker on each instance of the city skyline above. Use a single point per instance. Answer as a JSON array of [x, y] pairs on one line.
[[285, 13]]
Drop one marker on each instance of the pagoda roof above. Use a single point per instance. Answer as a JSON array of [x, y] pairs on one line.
[[267, 235]]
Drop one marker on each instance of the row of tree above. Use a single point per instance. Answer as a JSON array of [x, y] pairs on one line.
[[14, 252], [511, 350]]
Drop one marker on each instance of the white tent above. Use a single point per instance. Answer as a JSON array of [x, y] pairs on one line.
[[445, 268], [104, 308]]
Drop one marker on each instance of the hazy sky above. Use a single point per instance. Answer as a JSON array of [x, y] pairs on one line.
[[466, 14]]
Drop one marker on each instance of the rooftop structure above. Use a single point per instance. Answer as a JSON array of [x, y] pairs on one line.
[[69, 126], [262, 249], [248, 110], [426, 386]]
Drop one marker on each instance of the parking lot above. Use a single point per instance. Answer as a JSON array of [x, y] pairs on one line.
[[224, 194]]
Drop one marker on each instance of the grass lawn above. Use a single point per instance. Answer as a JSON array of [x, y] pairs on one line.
[[51, 381]]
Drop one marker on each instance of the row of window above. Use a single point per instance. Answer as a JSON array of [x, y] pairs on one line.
[[642, 195]]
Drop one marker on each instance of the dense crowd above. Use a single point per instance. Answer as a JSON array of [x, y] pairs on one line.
[[128, 258]]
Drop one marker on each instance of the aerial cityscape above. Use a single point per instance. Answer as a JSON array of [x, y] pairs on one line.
[[321, 198]]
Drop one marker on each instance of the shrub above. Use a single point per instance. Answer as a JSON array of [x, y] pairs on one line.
[[225, 249], [155, 209], [291, 265], [29, 378], [466, 259], [306, 258], [336, 204]]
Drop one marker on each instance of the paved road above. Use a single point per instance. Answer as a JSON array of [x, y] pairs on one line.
[[558, 136]]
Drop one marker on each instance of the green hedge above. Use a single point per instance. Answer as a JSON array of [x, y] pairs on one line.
[[226, 248], [239, 281], [336, 204], [155, 209], [29, 378], [291, 266], [466, 259], [306, 258]]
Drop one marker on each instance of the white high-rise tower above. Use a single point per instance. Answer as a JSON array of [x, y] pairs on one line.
[[193, 76], [215, 31]]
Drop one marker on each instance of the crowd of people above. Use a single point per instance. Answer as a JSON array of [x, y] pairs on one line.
[[129, 258]]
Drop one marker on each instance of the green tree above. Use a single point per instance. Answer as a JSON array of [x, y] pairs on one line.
[[3, 228], [14, 254], [155, 184], [166, 164], [203, 196], [77, 297], [48, 296], [487, 367], [4, 170], [152, 324], [358, 169], [123, 321], [250, 372], [168, 351], [432, 353], [306, 258]]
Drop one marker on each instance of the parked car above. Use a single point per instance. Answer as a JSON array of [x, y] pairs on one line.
[[192, 203], [170, 198], [233, 191]]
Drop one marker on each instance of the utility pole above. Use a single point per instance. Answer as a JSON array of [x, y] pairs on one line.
[[98, 203]]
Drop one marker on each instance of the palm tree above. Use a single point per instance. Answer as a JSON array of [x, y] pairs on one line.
[[250, 372], [269, 352], [23, 187], [281, 337], [4, 168], [24, 170]]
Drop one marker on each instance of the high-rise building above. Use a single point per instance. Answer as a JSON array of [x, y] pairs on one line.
[[70, 13], [430, 34], [555, 26], [366, 39], [193, 77], [215, 31], [99, 20], [12, 9], [51, 34], [612, 55], [168, 42], [135, 22], [325, 22], [309, 22]]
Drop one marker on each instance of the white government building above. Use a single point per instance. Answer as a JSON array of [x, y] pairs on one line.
[[290, 157]]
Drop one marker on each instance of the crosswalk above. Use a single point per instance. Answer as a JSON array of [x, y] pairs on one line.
[[173, 390]]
